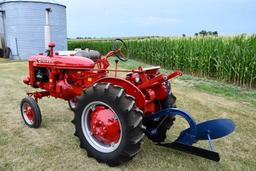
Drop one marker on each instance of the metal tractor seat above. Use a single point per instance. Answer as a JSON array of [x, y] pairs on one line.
[[91, 54]]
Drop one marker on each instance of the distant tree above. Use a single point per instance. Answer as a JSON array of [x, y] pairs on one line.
[[215, 33], [244, 35], [203, 33], [209, 33], [183, 35]]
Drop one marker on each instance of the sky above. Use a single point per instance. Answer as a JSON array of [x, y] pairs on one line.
[[123, 18]]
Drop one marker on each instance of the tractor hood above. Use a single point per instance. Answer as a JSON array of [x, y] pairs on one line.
[[73, 61], [70, 62]]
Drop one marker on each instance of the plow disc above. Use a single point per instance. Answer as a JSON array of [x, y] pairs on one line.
[[208, 130], [214, 128]]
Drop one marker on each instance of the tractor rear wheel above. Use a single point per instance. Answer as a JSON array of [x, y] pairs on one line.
[[30, 112], [108, 124]]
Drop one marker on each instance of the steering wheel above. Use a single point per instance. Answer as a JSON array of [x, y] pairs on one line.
[[121, 49]]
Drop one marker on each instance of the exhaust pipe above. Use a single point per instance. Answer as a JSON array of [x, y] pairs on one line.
[[47, 28]]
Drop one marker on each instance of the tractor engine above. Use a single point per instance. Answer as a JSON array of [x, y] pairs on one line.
[[42, 74], [60, 76], [67, 84]]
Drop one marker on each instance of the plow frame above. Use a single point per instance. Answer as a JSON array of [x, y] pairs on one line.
[[209, 130]]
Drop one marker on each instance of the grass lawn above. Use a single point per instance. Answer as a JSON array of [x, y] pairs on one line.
[[54, 147]]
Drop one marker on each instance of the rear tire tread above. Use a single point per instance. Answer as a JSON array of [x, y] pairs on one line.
[[133, 119]]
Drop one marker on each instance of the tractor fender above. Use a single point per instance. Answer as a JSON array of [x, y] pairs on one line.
[[129, 89]]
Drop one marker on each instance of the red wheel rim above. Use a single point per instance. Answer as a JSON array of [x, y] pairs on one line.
[[101, 127], [104, 125], [28, 113]]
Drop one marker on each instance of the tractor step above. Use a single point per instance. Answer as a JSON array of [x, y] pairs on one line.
[[211, 155]]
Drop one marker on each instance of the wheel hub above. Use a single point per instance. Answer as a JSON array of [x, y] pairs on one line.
[[104, 125], [28, 113]]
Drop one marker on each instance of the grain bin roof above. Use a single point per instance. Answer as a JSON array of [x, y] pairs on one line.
[[42, 1]]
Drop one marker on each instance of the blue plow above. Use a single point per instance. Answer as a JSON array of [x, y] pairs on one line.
[[208, 130]]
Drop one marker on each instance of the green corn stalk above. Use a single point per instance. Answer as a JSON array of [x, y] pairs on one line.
[[230, 59]]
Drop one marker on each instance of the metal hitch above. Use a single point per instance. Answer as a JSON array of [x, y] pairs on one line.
[[208, 130]]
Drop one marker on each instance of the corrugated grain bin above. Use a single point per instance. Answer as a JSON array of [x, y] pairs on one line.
[[27, 26]]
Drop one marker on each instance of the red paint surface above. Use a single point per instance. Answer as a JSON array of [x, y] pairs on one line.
[[29, 113], [104, 126], [69, 75]]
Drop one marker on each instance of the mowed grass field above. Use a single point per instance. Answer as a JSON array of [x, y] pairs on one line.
[[54, 147]]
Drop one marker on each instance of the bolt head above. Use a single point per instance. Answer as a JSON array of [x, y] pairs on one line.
[[165, 77]]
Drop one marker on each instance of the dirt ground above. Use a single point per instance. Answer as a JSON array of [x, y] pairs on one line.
[[54, 147]]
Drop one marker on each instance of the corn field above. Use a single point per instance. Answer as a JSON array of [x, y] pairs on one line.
[[232, 59]]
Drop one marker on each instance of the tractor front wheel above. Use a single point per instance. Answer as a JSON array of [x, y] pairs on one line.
[[30, 112], [108, 124]]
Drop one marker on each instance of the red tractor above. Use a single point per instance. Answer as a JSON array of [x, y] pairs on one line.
[[113, 114]]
